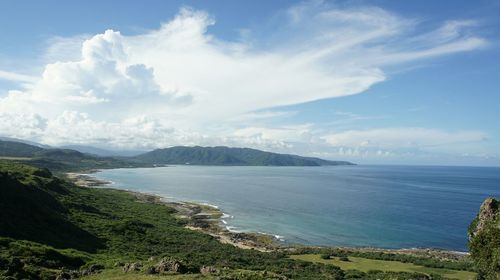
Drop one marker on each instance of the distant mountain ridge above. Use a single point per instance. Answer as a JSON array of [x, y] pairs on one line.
[[18, 149], [222, 155], [103, 152], [69, 159], [61, 160]]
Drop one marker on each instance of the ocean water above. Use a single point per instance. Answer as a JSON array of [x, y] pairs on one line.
[[381, 206]]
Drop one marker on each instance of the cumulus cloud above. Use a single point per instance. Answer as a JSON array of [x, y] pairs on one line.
[[180, 84]]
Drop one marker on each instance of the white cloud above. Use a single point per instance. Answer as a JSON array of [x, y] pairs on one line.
[[16, 77], [182, 85], [402, 137]]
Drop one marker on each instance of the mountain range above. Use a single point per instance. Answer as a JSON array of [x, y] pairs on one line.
[[64, 159]]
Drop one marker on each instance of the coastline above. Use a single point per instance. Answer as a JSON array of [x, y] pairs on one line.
[[197, 216], [209, 219]]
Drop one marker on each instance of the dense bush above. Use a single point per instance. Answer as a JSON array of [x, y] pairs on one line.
[[484, 240]]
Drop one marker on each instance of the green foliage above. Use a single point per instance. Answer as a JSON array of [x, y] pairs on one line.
[[423, 261], [29, 260], [484, 243], [61, 160], [325, 256], [30, 209], [358, 267], [381, 275], [327, 253], [228, 156]]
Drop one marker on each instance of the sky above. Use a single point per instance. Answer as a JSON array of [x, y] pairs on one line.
[[373, 82]]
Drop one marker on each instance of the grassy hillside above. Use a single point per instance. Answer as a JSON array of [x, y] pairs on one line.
[[228, 156], [17, 149], [366, 265]]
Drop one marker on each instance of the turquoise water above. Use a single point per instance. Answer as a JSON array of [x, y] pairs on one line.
[[382, 206]]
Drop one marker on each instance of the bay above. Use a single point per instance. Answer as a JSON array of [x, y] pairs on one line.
[[380, 206]]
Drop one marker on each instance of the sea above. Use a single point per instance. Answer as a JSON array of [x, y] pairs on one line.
[[363, 205]]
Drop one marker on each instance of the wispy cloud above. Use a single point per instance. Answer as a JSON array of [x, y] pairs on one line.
[[402, 137], [16, 77]]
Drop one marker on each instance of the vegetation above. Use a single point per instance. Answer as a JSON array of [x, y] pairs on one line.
[[60, 160], [228, 156], [367, 265], [484, 244], [431, 262], [17, 149]]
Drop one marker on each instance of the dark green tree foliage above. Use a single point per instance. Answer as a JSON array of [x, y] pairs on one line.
[[484, 240]]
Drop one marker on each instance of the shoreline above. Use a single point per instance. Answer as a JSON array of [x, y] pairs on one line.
[[209, 219]]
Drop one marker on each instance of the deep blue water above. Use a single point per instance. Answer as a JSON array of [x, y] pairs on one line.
[[382, 206]]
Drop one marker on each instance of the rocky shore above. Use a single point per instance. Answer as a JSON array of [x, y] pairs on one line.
[[200, 217], [86, 180]]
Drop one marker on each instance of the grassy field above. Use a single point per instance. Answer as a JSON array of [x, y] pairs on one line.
[[117, 274], [366, 265]]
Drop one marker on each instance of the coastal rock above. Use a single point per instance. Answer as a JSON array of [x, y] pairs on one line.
[[130, 267]]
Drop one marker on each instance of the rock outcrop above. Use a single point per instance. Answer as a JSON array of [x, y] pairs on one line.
[[207, 270], [168, 265], [488, 213], [484, 240], [75, 274], [130, 267]]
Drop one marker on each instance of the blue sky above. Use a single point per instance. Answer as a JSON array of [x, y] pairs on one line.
[[398, 82]]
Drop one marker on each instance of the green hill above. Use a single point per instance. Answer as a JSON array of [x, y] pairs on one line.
[[60, 160], [17, 149], [228, 156]]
